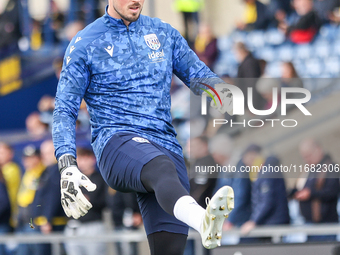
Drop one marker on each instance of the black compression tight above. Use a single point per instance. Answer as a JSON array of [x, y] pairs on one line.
[[166, 243], [160, 176]]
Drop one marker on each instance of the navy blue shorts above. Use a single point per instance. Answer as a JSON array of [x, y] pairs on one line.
[[121, 164]]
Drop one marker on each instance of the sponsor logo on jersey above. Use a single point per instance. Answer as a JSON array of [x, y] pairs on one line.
[[109, 49], [140, 140], [152, 41], [78, 39], [156, 55]]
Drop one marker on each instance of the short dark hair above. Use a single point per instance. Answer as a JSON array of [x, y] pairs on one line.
[[31, 150], [7, 146]]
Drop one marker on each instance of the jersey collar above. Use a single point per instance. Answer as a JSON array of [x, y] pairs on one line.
[[118, 23]]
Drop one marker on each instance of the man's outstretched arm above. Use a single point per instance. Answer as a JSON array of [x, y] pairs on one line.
[[72, 85], [197, 76]]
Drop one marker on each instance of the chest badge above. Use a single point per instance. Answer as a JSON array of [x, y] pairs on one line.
[[152, 41]]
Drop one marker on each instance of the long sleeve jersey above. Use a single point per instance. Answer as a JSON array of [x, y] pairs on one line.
[[124, 74]]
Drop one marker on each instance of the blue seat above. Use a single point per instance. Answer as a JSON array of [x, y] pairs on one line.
[[255, 39], [273, 69], [314, 67], [300, 68], [328, 32], [239, 36], [303, 51], [266, 53], [321, 48], [336, 47], [224, 43], [332, 66], [274, 37], [285, 53]]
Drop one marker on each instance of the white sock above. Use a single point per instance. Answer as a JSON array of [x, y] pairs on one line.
[[188, 211]]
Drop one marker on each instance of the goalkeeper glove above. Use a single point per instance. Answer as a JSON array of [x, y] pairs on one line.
[[73, 201]]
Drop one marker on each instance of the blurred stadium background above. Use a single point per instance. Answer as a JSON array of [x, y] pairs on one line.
[[294, 43]]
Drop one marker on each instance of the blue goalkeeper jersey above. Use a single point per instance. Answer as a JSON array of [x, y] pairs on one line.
[[124, 75]]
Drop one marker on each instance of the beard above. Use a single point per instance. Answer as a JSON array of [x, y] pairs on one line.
[[133, 17]]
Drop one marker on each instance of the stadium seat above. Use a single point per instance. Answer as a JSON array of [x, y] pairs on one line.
[[336, 47], [239, 36], [303, 51], [255, 39], [285, 52], [300, 68], [224, 43], [274, 37], [266, 53], [332, 66], [321, 48], [328, 32], [314, 67], [273, 69]]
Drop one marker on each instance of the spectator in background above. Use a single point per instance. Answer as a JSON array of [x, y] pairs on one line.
[[124, 205], [278, 11], [241, 183], [5, 212], [249, 68], [265, 87], [12, 176], [46, 107], [319, 196], [303, 25], [34, 170], [335, 16], [206, 46], [35, 128], [255, 16], [202, 183], [92, 223], [57, 66], [48, 215], [221, 148], [190, 11], [269, 200], [83, 121], [289, 76], [72, 29], [325, 8], [9, 25]]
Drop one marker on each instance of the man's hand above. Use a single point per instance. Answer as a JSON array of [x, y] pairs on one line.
[[227, 226], [226, 97], [247, 227], [303, 195], [72, 199], [46, 228]]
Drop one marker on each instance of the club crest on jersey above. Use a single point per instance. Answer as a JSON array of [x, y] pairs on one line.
[[152, 41], [140, 140]]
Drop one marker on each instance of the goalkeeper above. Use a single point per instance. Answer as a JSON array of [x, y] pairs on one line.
[[122, 65]]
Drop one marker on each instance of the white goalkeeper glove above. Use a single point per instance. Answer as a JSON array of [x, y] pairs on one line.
[[73, 201], [226, 98]]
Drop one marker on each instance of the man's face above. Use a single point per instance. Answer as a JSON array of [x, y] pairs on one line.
[[128, 10], [6, 155], [31, 162], [311, 155], [86, 164], [302, 7]]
